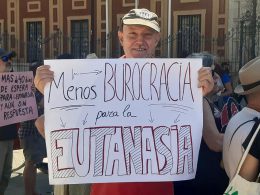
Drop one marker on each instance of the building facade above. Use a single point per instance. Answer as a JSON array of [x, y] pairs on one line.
[[39, 29], [243, 31]]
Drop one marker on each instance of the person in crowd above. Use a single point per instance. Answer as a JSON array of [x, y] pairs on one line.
[[227, 90], [139, 35], [33, 145], [7, 133], [241, 124], [209, 180], [209, 61]]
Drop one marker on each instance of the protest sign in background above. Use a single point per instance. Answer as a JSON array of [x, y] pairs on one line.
[[17, 100], [123, 120]]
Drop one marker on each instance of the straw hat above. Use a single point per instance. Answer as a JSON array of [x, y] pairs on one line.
[[249, 76]]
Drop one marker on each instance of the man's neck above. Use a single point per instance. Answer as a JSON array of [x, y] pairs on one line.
[[254, 106], [253, 101]]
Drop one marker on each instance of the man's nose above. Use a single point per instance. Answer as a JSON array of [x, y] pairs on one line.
[[140, 39]]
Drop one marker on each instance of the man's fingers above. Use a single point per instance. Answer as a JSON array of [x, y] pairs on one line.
[[205, 73], [42, 67], [42, 77], [205, 80]]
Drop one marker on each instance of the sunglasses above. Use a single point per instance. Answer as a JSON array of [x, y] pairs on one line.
[[8, 64]]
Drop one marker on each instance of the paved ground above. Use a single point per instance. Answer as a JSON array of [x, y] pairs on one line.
[[16, 183]]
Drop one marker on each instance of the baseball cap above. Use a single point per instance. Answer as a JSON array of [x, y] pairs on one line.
[[142, 17], [5, 56]]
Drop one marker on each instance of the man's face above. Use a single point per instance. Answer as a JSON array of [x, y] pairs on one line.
[[138, 41], [5, 66]]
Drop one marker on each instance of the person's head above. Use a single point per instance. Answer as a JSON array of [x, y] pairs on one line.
[[249, 76], [6, 60], [218, 69], [91, 56], [34, 65], [139, 33], [207, 59], [225, 66]]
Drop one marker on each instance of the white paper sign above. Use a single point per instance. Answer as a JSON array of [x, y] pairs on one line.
[[123, 120]]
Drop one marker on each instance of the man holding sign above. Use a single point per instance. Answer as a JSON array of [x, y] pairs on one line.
[[8, 132], [139, 35]]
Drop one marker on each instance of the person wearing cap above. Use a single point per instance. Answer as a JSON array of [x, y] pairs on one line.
[[240, 125], [139, 35], [6, 60], [7, 133]]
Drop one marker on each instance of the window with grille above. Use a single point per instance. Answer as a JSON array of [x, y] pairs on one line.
[[79, 38], [189, 35], [34, 41]]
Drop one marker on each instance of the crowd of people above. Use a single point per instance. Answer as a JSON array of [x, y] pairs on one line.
[[220, 150]]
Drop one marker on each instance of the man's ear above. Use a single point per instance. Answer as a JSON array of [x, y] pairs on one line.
[[120, 37]]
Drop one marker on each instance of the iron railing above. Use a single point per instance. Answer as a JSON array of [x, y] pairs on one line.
[[237, 44]]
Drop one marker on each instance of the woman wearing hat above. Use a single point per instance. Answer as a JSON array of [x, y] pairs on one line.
[[241, 124]]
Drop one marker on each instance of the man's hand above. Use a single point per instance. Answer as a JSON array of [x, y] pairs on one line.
[[206, 80], [43, 76]]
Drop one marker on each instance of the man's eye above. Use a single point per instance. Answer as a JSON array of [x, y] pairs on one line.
[[148, 35], [131, 35]]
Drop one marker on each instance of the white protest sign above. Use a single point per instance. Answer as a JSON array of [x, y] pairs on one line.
[[17, 100], [123, 120]]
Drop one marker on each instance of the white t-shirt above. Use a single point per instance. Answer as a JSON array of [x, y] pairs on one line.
[[234, 138]]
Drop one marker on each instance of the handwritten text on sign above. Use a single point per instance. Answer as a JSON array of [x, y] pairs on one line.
[[123, 120], [17, 100]]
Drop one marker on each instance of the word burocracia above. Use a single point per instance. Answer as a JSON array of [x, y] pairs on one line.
[[124, 82]]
